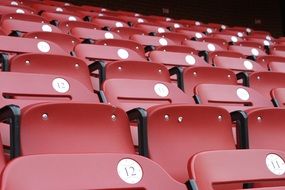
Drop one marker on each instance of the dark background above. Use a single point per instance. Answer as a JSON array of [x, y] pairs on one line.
[[258, 14]]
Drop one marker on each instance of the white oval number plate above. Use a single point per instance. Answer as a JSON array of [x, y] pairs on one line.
[[242, 94], [161, 90], [275, 164], [60, 85], [129, 171], [123, 54], [43, 47]]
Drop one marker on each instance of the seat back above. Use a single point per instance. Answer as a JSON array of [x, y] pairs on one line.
[[61, 17], [129, 44], [232, 97], [193, 76], [24, 17], [152, 40], [66, 26], [52, 64], [47, 88], [264, 82], [265, 125], [278, 50], [88, 33], [151, 28], [137, 70], [109, 22], [65, 41], [203, 46], [172, 59], [247, 51], [15, 9], [238, 166], [185, 126], [190, 33], [276, 66], [237, 64], [74, 128], [277, 95], [127, 32], [8, 26], [108, 53], [176, 37], [265, 61], [26, 45], [133, 93], [86, 171]]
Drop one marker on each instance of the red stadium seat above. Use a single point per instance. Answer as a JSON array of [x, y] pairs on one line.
[[136, 70], [242, 29], [203, 46], [26, 45], [15, 9], [93, 8], [10, 3], [262, 34], [261, 41], [202, 28], [151, 28], [87, 131], [247, 51], [217, 26], [39, 7], [278, 96], [278, 50], [127, 32], [60, 17], [51, 64], [133, 93], [67, 26], [193, 76], [66, 42], [175, 48], [109, 22], [235, 32], [240, 166], [184, 126], [231, 97], [227, 37], [266, 61], [176, 37], [170, 25], [108, 53], [92, 34], [265, 82], [104, 54], [189, 23], [48, 88], [237, 64], [250, 44], [19, 27], [154, 41], [214, 54], [64, 171], [172, 59], [190, 33], [129, 44], [24, 17], [264, 129], [132, 70], [132, 20], [221, 42], [277, 66]]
